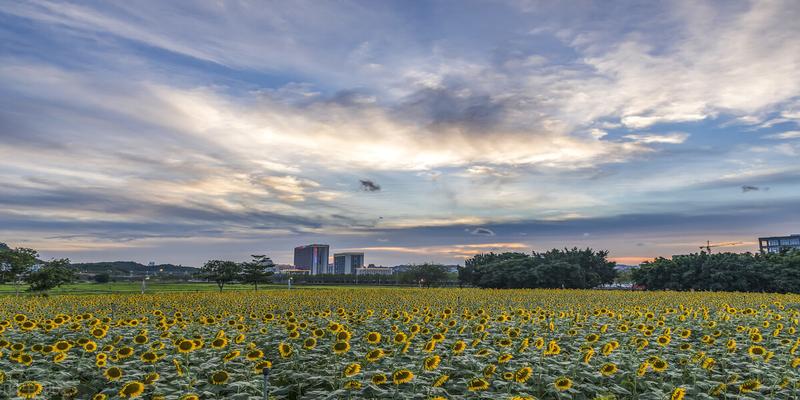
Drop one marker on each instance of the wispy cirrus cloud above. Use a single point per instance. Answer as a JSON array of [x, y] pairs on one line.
[[203, 121]]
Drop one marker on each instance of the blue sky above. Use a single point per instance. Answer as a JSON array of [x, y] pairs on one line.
[[417, 131]]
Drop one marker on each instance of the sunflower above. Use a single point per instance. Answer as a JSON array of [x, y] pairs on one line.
[[378, 379], [29, 389], [190, 396], [663, 340], [477, 384], [253, 355], [149, 357], [504, 358], [719, 389], [749, 385], [402, 376], [373, 338], [459, 347], [756, 351], [100, 396], [219, 343], [60, 346], [563, 383], [232, 355], [659, 365], [343, 336], [432, 362], [132, 389], [441, 381], [523, 374], [259, 367], [678, 394], [219, 378], [352, 385], [341, 347], [185, 346], [375, 355], [310, 343], [113, 373], [352, 369], [552, 349], [399, 338], [608, 369], [124, 352], [151, 378], [90, 346]]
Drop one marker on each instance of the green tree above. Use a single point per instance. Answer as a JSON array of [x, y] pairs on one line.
[[50, 275], [425, 274], [739, 272], [221, 271], [257, 270], [103, 277], [16, 264], [567, 268]]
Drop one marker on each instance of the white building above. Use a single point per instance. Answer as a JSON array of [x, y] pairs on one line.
[[347, 263]]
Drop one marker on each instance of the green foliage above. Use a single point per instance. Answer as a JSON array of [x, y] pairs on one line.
[[221, 272], [15, 264], [51, 274], [127, 267], [734, 272], [567, 268], [102, 278], [424, 275], [256, 271]]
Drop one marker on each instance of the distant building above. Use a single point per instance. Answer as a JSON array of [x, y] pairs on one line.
[[347, 263], [313, 257], [776, 244], [372, 270]]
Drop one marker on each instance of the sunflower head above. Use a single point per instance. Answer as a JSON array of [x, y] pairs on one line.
[[132, 389], [219, 378], [402, 376]]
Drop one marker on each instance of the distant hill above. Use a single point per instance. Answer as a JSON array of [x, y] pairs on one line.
[[132, 268], [4, 246]]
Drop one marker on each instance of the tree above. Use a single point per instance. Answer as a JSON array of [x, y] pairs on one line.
[[16, 264], [567, 268], [425, 274], [52, 274], [221, 272], [745, 272], [103, 277], [257, 271]]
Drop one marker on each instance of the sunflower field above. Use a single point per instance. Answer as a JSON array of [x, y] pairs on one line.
[[375, 343]]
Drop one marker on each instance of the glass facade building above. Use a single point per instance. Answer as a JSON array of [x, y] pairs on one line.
[[347, 263], [777, 244], [313, 257]]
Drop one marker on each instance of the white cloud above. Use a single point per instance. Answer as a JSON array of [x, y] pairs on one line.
[[669, 138], [785, 135]]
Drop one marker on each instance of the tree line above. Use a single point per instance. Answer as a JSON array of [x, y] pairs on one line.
[[253, 272], [736, 272], [558, 268], [21, 265]]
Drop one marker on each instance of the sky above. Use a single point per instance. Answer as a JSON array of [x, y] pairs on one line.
[[183, 131]]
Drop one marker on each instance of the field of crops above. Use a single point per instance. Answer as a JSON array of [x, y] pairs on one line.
[[402, 344]]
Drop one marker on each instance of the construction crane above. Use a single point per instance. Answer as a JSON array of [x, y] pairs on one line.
[[708, 245]]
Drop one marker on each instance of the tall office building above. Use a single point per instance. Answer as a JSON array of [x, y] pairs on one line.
[[313, 257], [776, 244], [347, 263]]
